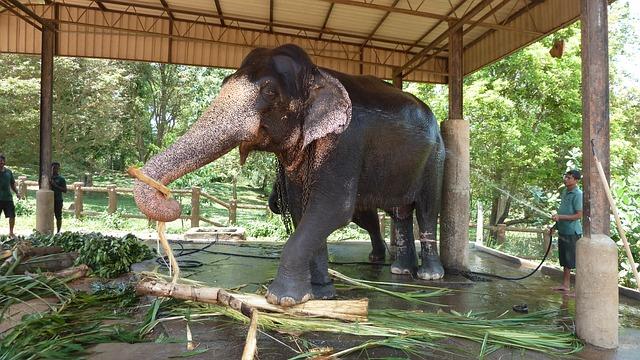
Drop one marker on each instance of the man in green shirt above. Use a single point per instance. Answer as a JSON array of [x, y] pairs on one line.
[[568, 225], [7, 183], [59, 186]]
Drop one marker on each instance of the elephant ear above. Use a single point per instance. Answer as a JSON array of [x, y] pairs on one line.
[[329, 108]]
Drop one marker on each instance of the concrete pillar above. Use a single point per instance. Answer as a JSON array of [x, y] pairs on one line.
[[44, 196], [44, 211], [454, 218], [195, 206], [597, 291]]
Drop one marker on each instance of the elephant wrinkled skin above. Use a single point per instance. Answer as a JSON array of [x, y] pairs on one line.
[[348, 144]]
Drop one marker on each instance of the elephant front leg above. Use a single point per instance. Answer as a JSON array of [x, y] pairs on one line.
[[431, 267], [303, 266]]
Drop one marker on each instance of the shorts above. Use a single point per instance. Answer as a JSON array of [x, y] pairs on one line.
[[57, 209], [567, 250], [8, 208]]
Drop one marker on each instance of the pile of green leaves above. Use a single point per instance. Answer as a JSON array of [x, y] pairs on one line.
[[66, 332], [107, 256]]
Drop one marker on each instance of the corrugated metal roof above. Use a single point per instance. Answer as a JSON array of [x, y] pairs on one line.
[[377, 37]]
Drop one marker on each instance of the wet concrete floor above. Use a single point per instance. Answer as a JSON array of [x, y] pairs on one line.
[[258, 264]]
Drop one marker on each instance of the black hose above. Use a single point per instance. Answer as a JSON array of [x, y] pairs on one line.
[[472, 273]]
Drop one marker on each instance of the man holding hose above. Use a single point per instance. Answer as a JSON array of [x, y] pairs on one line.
[[569, 226]]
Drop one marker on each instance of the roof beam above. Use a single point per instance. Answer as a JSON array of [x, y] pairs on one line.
[[453, 27], [301, 36], [469, 28], [7, 6], [386, 15], [452, 11], [512, 17], [166, 8], [326, 20], [26, 10], [100, 5], [270, 16], [392, 43], [219, 10], [431, 15]]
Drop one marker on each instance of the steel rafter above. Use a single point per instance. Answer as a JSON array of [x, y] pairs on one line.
[[249, 36], [326, 20], [371, 5], [219, 10], [456, 25], [386, 15], [469, 28], [391, 43]]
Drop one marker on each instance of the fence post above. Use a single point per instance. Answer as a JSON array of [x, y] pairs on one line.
[[22, 186], [480, 225], [195, 206], [87, 179], [234, 193], [113, 199], [382, 219], [233, 211], [501, 234], [77, 199]]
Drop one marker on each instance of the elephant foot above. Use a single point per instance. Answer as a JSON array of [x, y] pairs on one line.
[[377, 256], [288, 292], [323, 291], [431, 268], [405, 263]]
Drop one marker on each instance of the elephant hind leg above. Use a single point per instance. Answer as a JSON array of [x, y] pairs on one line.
[[405, 262], [431, 267], [368, 220], [427, 210]]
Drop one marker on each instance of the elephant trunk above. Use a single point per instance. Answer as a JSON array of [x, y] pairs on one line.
[[230, 120]]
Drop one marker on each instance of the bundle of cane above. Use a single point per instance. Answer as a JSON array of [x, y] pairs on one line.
[[174, 269]]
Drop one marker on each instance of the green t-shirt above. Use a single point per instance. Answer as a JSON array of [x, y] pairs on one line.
[[570, 203], [60, 183], [6, 179]]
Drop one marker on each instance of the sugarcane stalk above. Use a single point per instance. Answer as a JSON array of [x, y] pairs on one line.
[[346, 310], [614, 210], [174, 269], [251, 344]]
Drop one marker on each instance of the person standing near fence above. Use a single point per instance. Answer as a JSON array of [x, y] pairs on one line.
[[569, 226], [7, 183], [59, 186]]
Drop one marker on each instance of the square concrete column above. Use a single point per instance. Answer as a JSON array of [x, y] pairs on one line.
[[454, 216]]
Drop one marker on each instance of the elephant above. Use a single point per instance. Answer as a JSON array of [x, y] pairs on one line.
[[348, 143], [284, 195]]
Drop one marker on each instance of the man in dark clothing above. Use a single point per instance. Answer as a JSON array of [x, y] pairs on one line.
[[7, 183], [568, 225], [59, 186]]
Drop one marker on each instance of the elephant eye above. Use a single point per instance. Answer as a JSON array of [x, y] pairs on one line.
[[269, 92]]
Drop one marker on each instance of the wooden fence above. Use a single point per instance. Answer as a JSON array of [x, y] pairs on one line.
[[232, 206], [113, 192]]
